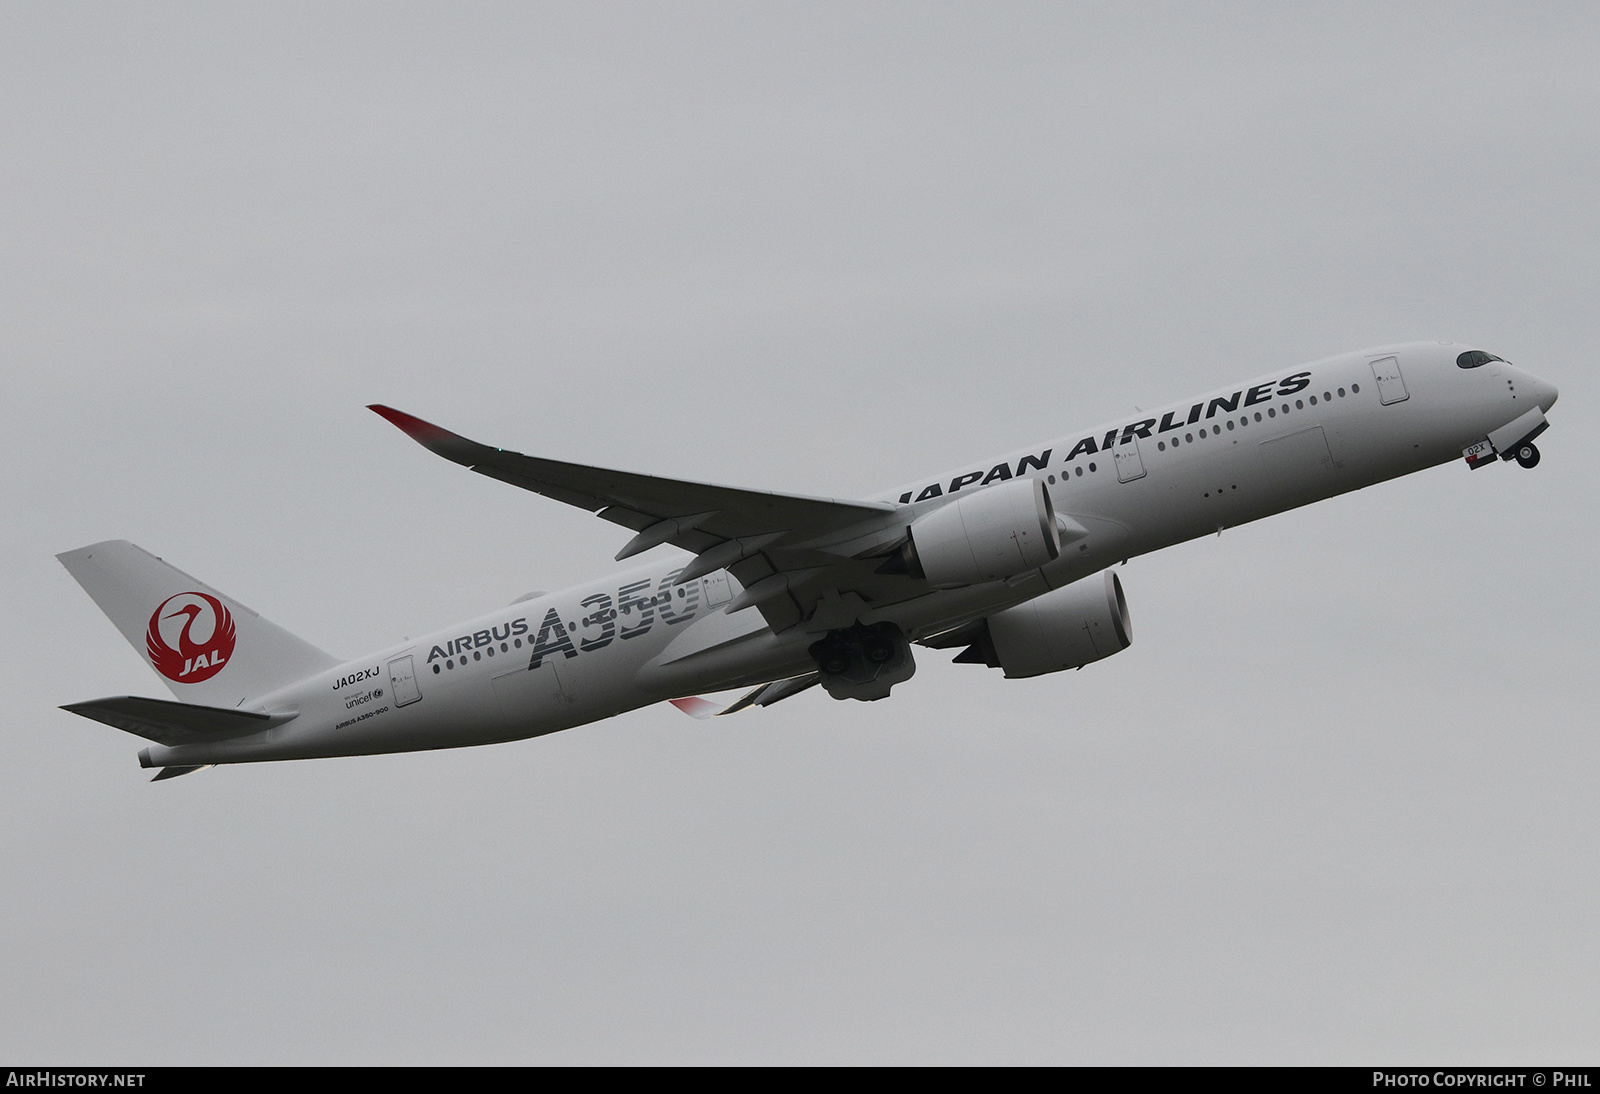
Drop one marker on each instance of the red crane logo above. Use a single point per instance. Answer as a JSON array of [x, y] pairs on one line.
[[187, 652]]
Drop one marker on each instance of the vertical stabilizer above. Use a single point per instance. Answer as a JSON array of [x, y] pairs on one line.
[[208, 648]]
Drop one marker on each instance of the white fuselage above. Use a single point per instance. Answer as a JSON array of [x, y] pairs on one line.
[[1137, 484]]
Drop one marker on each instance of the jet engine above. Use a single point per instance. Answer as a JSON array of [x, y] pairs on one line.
[[988, 535], [1064, 629]]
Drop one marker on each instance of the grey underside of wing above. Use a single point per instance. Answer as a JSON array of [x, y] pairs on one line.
[[833, 546], [172, 723], [639, 501], [799, 559]]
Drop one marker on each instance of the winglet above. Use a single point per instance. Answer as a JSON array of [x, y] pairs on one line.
[[696, 707], [174, 772], [436, 439]]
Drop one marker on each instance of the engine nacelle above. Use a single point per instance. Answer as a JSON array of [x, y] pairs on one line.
[[992, 534], [1064, 629]]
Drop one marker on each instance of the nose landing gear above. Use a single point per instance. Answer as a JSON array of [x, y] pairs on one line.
[[1514, 440]]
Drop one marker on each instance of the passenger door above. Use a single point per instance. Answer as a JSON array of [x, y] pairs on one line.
[[1126, 456], [1391, 385]]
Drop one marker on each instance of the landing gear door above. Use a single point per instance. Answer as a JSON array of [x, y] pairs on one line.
[[403, 681], [1391, 385], [1126, 457]]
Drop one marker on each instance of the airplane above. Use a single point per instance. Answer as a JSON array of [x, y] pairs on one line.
[[1007, 558]]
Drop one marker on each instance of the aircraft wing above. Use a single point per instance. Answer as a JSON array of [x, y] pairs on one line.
[[764, 696], [787, 550]]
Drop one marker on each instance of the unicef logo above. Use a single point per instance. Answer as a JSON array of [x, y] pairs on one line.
[[191, 637]]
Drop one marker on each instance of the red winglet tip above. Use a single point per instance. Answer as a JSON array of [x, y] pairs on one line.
[[696, 707], [410, 425]]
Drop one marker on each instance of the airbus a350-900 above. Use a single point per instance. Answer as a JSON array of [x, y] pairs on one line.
[[1007, 558]]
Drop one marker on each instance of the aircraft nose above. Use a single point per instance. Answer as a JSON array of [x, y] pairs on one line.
[[1526, 383], [1544, 392]]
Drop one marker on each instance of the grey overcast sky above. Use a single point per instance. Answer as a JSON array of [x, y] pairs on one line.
[[1335, 805]]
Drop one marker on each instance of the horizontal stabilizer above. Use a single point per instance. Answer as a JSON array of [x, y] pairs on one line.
[[170, 723]]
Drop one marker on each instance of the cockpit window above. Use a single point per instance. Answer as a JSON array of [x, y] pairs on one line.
[[1475, 357]]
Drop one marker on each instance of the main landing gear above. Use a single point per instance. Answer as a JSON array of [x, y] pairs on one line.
[[1527, 455], [862, 662]]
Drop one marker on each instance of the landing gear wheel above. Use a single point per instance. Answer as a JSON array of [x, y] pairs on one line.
[[1527, 455], [878, 650]]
